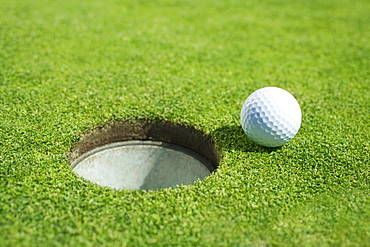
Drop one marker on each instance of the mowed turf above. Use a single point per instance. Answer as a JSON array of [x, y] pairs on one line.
[[69, 66]]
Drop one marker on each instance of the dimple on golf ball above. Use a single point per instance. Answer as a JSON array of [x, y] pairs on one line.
[[271, 117]]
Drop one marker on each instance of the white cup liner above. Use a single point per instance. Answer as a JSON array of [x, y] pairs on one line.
[[141, 165]]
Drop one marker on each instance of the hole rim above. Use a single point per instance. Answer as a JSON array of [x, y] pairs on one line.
[[175, 136], [132, 143]]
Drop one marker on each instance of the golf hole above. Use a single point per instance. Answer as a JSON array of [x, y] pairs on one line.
[[144, 155]]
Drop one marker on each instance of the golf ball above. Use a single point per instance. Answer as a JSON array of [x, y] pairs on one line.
[[271, 117]]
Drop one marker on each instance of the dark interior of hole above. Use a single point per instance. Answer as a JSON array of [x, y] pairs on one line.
[[117, 131]]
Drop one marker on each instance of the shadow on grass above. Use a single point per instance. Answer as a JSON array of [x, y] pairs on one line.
[[232, 137]]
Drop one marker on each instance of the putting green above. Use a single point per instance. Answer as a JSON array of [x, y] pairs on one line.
[[67, 67]]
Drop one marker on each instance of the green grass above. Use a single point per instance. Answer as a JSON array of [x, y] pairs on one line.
[[68, 66]]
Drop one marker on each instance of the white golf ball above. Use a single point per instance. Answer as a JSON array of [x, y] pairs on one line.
[[271, 117]]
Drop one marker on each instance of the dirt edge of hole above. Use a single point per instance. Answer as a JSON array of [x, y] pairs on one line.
[[141, 129]]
